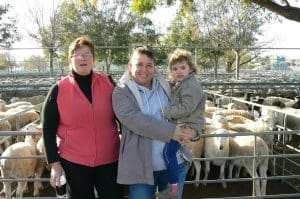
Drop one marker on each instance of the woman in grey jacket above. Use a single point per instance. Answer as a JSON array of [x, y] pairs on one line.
[[137, 102]]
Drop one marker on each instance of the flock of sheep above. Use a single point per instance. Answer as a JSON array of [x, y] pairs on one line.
[[230, 119], [21, 116], [220, 140]]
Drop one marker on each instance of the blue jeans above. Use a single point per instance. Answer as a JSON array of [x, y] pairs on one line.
[[169, 153], [146, 191]]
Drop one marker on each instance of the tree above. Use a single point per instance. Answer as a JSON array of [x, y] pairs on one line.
[[200, 25], [184, 32], [8, 29], [283, 8], [4, 61], [47, 32], [108, 24], [145, 6], [236, 30], [36, 63], [280, 7], [7, 62]]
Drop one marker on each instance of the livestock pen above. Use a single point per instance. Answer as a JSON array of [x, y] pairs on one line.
[[285, 184], [285, 151]]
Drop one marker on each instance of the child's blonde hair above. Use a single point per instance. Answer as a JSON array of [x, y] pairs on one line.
[[180, 55]]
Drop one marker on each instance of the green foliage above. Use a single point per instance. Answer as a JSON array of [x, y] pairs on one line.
[[36, 63], [108, 25], [265, 61], [143, 6], [6, 61], [8, 29]]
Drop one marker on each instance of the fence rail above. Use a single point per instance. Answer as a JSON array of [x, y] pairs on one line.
[[285, 177]]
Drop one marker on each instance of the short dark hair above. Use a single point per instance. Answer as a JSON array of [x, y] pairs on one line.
[[144, 50], [80, 42]]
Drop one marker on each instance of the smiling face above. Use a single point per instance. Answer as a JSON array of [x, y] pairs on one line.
[[82, 60], [180, 70], [142, 69]]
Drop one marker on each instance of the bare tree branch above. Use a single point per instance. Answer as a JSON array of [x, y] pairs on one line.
[[287, 11]]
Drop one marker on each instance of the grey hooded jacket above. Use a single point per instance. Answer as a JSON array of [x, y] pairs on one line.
[[138, 130]]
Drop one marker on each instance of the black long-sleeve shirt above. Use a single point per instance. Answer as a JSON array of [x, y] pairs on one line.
[[50, 114]]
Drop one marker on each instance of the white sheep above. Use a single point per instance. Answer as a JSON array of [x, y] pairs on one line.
[[21, 168], [5, 141], [197, 151], [244, 146], [241, 124], [209, 110], [217, 146], [243, 113], [277, 113], [296, 104], [37, 99], [269, 101], [4, 107], [19, 120]]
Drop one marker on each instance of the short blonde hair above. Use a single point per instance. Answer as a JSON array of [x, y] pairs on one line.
[[180, 55]]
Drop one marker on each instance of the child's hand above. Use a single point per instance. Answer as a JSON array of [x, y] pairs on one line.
[[181, 136]]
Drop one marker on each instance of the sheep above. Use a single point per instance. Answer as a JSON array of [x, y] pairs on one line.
[[233, 106], [257, 100], [287, 117], [240, 124], [269, 100], [4, 107], [19, 120], [216, 147], [209, 103], [5, 126], [244, 146], [196, 148], [283, 102], [237, 105], [210, 110], [21, 168], [33, 100], [243, 113], [296, 105], [292, 121], [5, 141]]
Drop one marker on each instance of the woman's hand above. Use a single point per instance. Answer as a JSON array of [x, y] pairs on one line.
[[56, 172], [183, 135]]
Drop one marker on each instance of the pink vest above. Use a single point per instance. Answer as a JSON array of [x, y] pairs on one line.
[[87, 132]]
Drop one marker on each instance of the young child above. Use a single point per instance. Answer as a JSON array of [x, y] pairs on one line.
[[187, 107]]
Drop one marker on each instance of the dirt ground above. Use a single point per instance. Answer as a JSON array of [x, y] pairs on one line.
[[211, 190], [234, 189]]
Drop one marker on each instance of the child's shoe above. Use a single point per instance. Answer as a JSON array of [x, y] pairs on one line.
[[175, 189], [171, 192]]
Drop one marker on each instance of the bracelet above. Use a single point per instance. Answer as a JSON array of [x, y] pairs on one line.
[[197, 137]]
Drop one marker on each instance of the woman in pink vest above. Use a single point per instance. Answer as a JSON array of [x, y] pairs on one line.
[[79, 128]]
